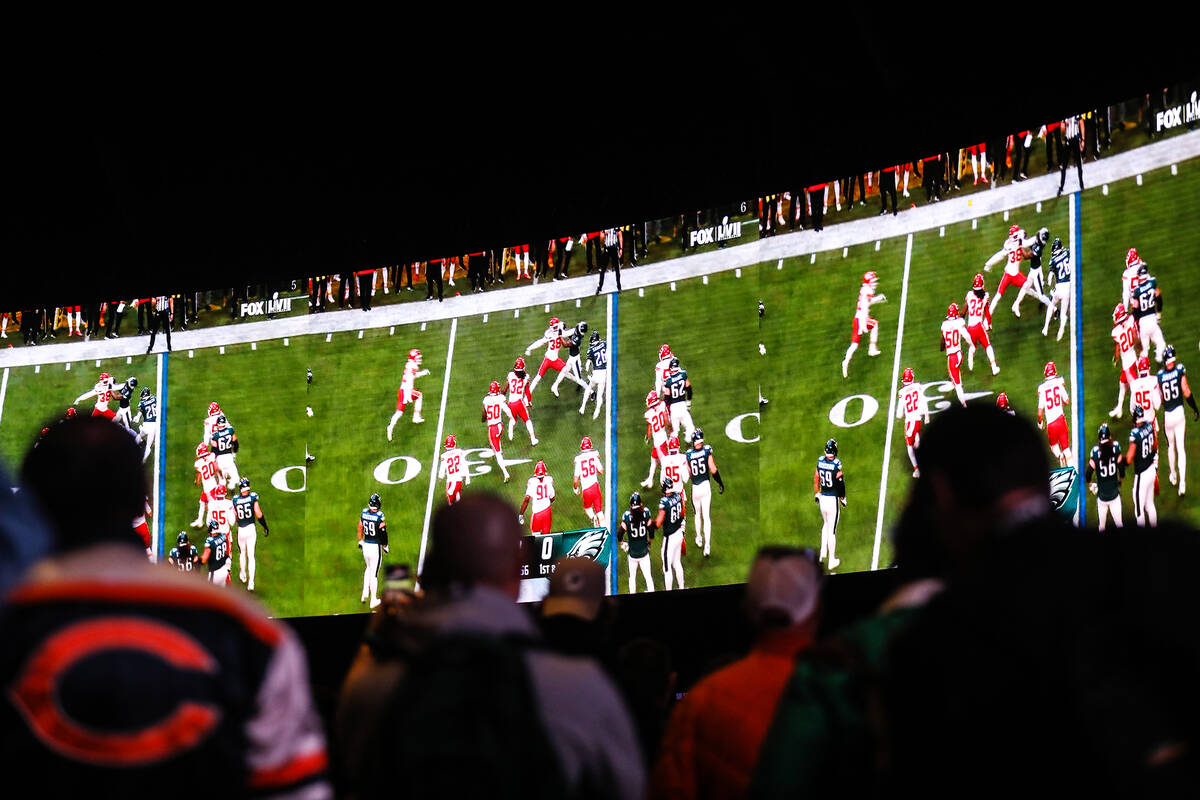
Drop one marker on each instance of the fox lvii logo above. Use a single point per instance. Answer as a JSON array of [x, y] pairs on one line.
[[278, 305], [1184, 114], [718, 233]]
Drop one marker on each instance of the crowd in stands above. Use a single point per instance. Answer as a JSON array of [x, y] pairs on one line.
[[1015, 652]]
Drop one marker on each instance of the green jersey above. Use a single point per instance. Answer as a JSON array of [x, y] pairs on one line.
[[1109, 464], [636, 522]]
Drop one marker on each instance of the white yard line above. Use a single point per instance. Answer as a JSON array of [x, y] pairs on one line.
[[158, 511], [3, 391], [891, 419], [437, 447]]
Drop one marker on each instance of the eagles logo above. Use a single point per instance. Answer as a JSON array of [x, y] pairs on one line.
[[1061, 482], [590, 545]]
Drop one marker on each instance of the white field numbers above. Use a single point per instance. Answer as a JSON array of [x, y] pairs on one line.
[[934, 394]]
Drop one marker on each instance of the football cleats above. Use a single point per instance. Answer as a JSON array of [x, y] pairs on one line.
[[1143, 366], [978, 282], [1056, 246], [201, 450], [375, 501], [145, 392], [212, 525], [539, 469], [554, 322], [635, 500], [1013, 230], [1169, 354], [698, 435], [1043, 235], [1137, 415], [131, 382], [582, 327], [1132, 257], [664, 351], [651, 399], [666, 484], [952, 311], [673, 444], [450, 442], [1118, 313], [1103, 435], [213, 408], [585, 443], [71, 411], [414, 355], [1002, 401], [1051, 371], [219, 492], [244, 483], [221, 421], [182, 539], [831, 447], [908, 375], [494, 388], [869, 277], [104, 376], [595, 337], [519, 364]]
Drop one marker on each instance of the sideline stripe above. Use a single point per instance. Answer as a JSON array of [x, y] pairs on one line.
[[1077, 351], [437, 446], [3, 391], [610, 443], [891, 420], [160, 459]]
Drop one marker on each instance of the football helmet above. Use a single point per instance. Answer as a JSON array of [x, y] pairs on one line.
[[673, 444], [869, 277], [1119, 313], [494, 388], [1143, 366], [674, 363], [1132, 257], [651, 400], [1103, 435], [1143, 271], [1169, 354], [554, 322], [221, 421], [244, 483], [908, 375], [414, 355], [71, 410], [1013, 230], [1043, 235], [131, 382], [978, 282], [952, 311], [213, 408], [666, 484], [539, 469], [585, 443], [104, 377], [145, 392], [1051, 371], [831, 447], [201, 450], [635, 500], [1137, 415], [212, 526], [664, 351], [595, 337], [375, 502], [519, 364], [182, 539], [1056, 246], [450, 442], [582, 327], [1002, 401], [219, 493], [698, 435]]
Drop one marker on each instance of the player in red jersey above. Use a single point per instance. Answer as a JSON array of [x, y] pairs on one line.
[[1002, 404], [863, 322], [1133, 262], [588, 466], [1125, 337], [494, 411], [407, 393], [519, 399], [1014, 251], [954, 331], [207, 476], [453, 468], [553, 339], [915, 410], [979, 320], [657, 423], [103, 392], [143, 529], [540, 490], [1052, 396]]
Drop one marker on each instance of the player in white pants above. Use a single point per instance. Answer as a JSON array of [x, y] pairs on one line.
[[702, 466], [597, 365], [372, 537], [1174, 391], [1060, 268], [670, 522], [830, 494], [1143, 456]]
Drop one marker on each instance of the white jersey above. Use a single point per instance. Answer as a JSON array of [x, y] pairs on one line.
[[412, 371], [104, 394], [660, 373], [553, 339], [1014, 245], [221, 511], [517, 387], [657, 418], [912, 403], [1125, 335], [1127, 283], [977, 308], [588, 466], [953, 332], [206, 465], [540, 492], [494, 410], [454, 466], [1145, 392], [1052, 396], [675, 467], [862, 310]]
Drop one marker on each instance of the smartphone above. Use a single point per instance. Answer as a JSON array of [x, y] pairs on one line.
[[397, 578]]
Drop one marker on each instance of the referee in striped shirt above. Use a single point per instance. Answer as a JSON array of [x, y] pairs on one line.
[[164, 314]]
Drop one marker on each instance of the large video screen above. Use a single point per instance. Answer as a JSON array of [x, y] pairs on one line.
[[790, 352]]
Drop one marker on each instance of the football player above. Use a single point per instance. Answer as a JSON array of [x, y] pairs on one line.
[[863, 321], [979, 320], [675, 467], [954, 331], [225, 445], [597, 362], [210, 422], [1060, 268], [571, 370], [1143, 455], [914, 409], [670, 521], [103, 392], [520, 398], [1033, 285], [1052, 396], [700, 465], [553, 339], [636, 524], [588, 466], [183, 555], [1125, 337], [220, 511], [216, 555], [540, 490], [1146, 304], [453, 468], [1174, 389], [408, 393], [494, 411], [247, 510], [657, 423], [372, 537], [1132, 262], [1003, 404], [147, 419], [1143, 391], [143, 529], [1108, 463], [124, 395], [829, 493], [206, 479], [661, 367], [678, 390]]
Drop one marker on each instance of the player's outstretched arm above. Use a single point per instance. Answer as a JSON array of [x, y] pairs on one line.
[[538, 343], [83, 397]]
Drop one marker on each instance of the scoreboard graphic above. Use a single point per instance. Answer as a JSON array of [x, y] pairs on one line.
[[540, 556]]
